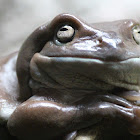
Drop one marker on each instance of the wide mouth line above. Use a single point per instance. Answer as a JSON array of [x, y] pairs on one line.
[[91, 58]]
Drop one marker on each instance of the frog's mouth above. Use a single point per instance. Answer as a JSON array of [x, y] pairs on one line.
[[86, 73]]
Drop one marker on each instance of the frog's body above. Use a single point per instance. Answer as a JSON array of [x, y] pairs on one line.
[[69, 76]]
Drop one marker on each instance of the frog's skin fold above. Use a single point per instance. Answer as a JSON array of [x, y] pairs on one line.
[[69, 76]]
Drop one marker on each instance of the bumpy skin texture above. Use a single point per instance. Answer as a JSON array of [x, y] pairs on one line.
[[64, 87]]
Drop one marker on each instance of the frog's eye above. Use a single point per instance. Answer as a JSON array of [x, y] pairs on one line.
[[65, 34], [136, 33]]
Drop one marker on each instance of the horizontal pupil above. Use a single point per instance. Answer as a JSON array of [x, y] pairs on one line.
[[139, 32], [63, 29]]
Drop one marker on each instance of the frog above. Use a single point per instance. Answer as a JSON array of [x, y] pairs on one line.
[[69, 76]]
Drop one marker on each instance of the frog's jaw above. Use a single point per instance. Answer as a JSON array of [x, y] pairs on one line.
[[86, 73]]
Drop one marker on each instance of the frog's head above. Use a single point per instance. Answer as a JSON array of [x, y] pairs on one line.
[[68, 53]]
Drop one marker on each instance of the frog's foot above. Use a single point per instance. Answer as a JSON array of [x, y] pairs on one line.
[[134, 98]]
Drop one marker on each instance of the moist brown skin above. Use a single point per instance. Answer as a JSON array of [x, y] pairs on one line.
[[57, 96]]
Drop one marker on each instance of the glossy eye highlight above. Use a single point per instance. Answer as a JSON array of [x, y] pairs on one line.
[[136, 33], [65, 34]]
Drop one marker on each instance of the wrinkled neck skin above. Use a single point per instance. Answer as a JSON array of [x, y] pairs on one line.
[[98, 70]]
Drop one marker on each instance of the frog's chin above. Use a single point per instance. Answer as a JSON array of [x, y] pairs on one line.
[[85, 73]]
